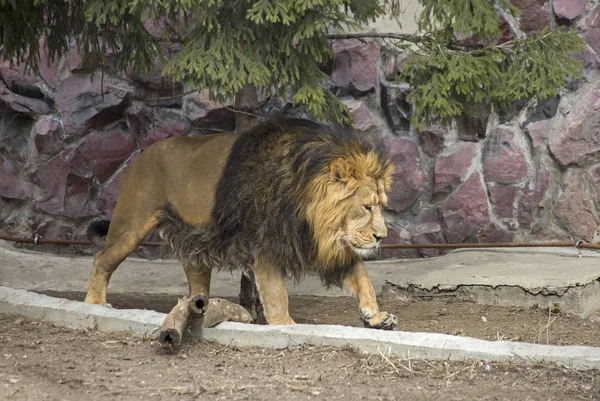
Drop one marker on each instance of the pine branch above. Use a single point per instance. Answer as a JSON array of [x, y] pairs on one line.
[[405, 37]]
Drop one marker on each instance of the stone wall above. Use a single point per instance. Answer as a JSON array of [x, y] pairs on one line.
[[532, 173]]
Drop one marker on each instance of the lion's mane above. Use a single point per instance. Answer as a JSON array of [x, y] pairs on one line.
[[277, 198]]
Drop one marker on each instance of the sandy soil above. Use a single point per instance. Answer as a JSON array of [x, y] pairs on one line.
[[446, 316], [39, 361]]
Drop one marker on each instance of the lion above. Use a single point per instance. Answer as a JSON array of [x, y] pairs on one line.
[[287, 198]]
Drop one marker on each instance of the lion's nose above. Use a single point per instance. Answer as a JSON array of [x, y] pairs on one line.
[[379, 237]]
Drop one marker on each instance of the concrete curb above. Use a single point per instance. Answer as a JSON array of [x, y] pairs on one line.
[[78, 315], [417, 345]]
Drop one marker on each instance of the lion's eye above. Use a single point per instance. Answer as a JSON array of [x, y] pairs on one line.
[[367, 207]]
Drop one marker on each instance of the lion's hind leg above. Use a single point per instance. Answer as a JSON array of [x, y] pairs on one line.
[[122, 239], [198, 278], [193, 245]]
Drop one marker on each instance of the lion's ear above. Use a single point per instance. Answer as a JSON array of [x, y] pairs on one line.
[[340, 170]]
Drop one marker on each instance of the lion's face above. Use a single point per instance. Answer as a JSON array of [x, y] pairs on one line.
[[346, 209], [363, 226]]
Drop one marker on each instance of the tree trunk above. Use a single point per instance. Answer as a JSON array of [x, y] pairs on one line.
[[246, 104]]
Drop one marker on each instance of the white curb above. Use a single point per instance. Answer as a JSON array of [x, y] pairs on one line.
[[416, 345]]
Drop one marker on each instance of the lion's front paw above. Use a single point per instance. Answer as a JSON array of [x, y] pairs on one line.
[[380, 320]]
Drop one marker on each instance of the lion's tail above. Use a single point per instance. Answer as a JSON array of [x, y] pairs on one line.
[[97, 231]]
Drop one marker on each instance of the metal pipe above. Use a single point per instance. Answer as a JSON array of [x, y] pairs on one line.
[[37, 240], [476, 245], [556, 244]]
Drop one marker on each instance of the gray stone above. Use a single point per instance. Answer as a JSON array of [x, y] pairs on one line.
[[431, 140], [577, 141], [109, 193], [140, 118], [48, 137], [569, 9], [398, 236], [408, 177], [107, 150], [539, 131], [23, 104], [503, 199], [47, 67], [15, 133], [451, 166], [594, 174], [574, 206], [19, 80], [590, 63], [11, 183], [166, 124], [151, 125], [536, 15], [471, 127], [491, 234], [530, 205], [429, 231], [503, 160], [64, 185], [55, 229], [211, 117], [591, 27], [360, 114], [396, 109], [158, 91], [466, 211], [91, 100], [355, 65]]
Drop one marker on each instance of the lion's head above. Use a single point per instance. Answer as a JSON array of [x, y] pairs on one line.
[[346, 210]]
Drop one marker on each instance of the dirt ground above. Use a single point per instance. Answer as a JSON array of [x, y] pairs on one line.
[[39, 361], [446, 316]]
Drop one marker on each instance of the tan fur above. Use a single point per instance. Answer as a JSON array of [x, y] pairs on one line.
[[180, 171], [343, 205]]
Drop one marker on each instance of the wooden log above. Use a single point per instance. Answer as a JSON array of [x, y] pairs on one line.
[[181, 316], [198, 312], [221, 310]]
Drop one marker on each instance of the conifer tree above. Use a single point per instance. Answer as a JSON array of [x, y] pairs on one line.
[[229, 45]]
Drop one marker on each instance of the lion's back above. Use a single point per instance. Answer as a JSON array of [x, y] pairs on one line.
[[181, 171]]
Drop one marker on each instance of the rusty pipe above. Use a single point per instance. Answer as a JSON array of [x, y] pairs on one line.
[[37, 240]]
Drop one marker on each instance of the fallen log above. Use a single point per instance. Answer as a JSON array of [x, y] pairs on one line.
[[181, 316], [221, 310], [198, 312]]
